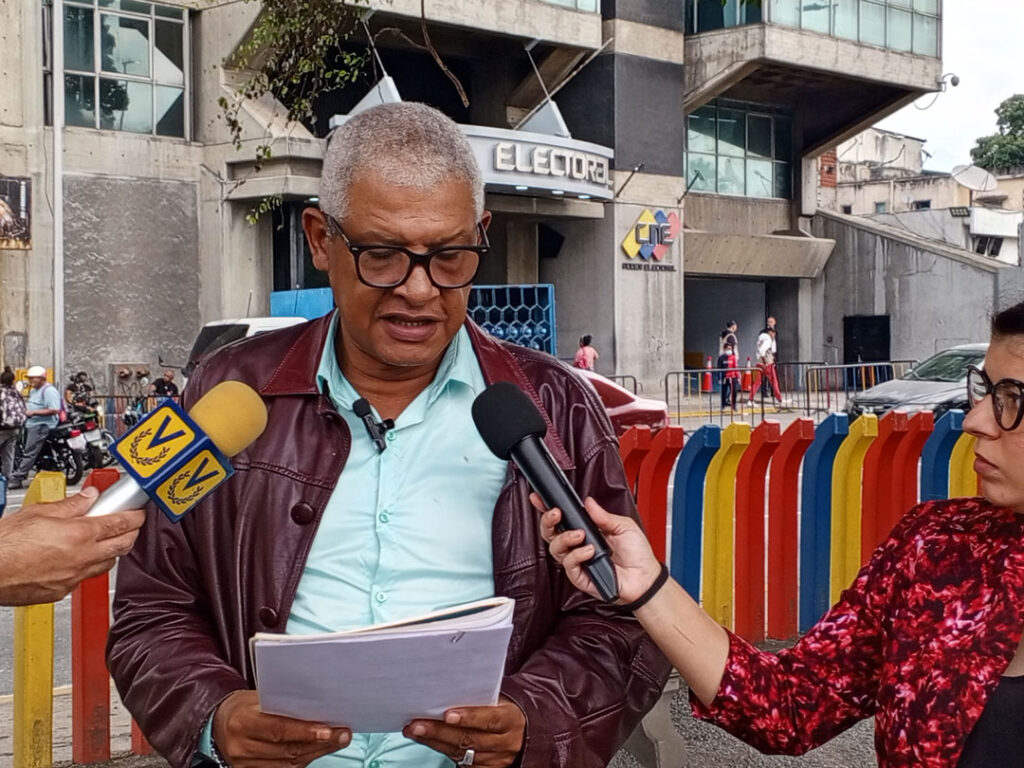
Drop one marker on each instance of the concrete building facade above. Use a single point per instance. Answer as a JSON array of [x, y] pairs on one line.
[[708, 117]]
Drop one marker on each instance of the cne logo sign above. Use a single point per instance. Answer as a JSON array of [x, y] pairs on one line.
[[185, 487], [159, 438], [652, 235]]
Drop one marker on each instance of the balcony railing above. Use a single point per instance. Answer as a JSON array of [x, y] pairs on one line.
[[913, 26]]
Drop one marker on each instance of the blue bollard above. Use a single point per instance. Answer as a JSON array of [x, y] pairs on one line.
[[816, 518], [937, 453], [688, 506]]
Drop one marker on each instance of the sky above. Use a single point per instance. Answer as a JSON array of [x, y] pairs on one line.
[[982, 44]]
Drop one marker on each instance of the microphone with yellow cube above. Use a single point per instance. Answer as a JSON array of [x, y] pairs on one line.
[[176, 459]]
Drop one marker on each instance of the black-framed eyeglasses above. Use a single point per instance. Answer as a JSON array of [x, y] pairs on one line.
[[388, 266], [1007, 397]]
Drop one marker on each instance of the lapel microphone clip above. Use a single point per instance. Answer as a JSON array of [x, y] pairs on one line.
[[375, 429]]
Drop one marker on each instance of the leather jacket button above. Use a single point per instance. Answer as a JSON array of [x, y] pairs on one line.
[[268, 616], [303, 513]]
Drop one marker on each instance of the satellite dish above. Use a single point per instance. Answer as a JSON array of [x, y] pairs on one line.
[[974, 178]]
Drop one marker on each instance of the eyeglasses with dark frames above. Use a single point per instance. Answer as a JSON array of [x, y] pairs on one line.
[[388, 266], [1007, 397]]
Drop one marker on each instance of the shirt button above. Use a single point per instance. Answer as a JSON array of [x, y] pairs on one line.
[[391, 436], [381, 597], [384, 517]]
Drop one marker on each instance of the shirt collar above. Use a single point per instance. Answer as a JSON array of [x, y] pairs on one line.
[[458, 365]]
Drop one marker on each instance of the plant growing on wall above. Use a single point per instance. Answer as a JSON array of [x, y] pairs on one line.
[[1003, 151]]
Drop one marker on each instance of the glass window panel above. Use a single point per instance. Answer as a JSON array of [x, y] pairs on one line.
[[82, 2], [750, 13], [785, 12], [845, 19], [701, 172], [169, 54], [730, 176], [927, 6], [80, 100], [759, 136], [168, 11], [783, 180], [700, 136], [900, 25], [816, 17], [587, 5], [127, 5], [712, 14], [170, 111], [900, 3], [783, 138], [872, 24], [759, 178], [126, 105], [78, 39], [926, 35], [691, 17], [732, 132], [124, 45]]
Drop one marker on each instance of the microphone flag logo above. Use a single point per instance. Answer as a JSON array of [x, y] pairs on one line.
[[172, 459]]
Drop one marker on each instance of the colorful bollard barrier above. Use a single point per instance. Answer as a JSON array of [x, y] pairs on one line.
[[33, 658], [750, 536], [719, 503], [688, 505], [783, 533], [816, 518], [904, 473], [633, 446], [846, 503], [652, 485], [963, 480], [877, 481], [937, 456]]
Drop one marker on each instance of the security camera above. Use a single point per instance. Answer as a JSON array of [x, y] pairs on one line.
[[954, 80]]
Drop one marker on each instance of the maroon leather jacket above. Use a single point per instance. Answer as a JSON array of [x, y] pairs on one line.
[[191, 594]]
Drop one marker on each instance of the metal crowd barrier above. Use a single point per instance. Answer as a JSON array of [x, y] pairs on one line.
[[626, 381], [828, 387]]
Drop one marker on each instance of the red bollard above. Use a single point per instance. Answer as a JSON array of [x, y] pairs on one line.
[[749, 572], [877, 483], [905, 486], [652, 486], [705, 380], [633, 447], [783, 537], [90, 681]]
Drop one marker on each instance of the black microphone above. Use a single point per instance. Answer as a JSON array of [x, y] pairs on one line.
[[513, 428], [375, 429]]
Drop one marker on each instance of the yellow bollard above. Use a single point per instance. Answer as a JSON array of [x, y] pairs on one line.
[[963, 480], [719, 523], [33, 658], [847, 471]]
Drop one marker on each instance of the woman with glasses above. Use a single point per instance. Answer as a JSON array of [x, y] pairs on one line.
[[927, 639]]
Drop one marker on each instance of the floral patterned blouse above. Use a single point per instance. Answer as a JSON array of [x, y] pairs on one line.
[[919, 640]]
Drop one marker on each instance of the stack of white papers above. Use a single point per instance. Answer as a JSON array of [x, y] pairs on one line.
[[378, 678]]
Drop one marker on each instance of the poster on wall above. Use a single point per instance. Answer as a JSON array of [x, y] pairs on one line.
[[15, 205]]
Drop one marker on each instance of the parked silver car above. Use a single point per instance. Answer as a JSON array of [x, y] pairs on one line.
[[937, 385]]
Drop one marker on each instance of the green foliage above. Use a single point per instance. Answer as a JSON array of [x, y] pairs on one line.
[[293, 53], [1003, 151]]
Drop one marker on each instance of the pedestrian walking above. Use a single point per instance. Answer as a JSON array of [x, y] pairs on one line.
[[43, 411], [12, 419], [730, 378], [586, 355]]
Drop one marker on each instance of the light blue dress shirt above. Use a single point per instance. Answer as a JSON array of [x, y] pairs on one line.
[[407, 530], [46, 396]]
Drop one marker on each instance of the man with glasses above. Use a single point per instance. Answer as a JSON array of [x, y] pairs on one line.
[[371, 497]]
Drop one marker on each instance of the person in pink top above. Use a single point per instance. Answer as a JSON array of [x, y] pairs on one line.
[[586, 355]]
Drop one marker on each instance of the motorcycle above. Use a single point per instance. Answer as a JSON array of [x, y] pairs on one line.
[[84, 415], [63, 451]]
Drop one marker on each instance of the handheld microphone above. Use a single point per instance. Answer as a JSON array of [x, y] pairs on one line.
[[512, 427], [375, 429], [175, 458]]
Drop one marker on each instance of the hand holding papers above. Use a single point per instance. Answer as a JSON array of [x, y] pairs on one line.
[[379, 678]]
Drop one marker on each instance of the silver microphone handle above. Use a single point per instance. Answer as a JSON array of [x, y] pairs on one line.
[[124, 494]]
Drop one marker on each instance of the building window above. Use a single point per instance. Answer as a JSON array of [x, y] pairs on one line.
[[988, 246], [735, 148], [900, 25], [921, 205], [124, 66], [292, 258], [880, 207], [579, 5], [848, 209]]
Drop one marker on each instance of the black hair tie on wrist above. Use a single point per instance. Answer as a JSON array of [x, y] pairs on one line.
[[641, 601]]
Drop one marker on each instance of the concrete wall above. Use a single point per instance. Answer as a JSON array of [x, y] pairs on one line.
[[710, 304], [131, 272], [737, 215], [935, 296], [900, 194], [876, 152]]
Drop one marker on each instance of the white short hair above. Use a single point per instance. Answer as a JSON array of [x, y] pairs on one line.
[[407, 144]]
